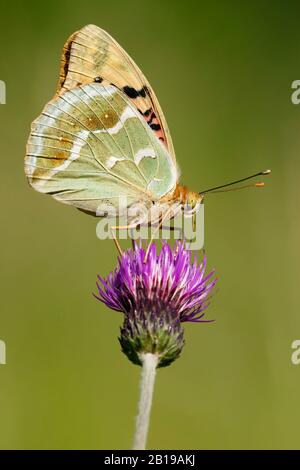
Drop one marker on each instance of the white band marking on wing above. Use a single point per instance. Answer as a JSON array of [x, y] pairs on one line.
[[110, 163], [143, 153], [127, 114]]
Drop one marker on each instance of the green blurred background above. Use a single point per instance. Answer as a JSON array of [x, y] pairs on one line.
[[223, 72]]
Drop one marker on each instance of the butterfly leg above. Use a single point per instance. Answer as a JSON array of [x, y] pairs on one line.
[[116, 241], [158, 227], [113, 230]]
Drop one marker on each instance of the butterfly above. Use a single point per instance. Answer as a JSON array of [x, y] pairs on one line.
[[103, 138]]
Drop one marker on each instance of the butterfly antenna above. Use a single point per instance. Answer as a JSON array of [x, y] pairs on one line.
[[260, 184]]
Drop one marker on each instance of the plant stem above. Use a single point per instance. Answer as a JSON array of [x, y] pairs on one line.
[[147, 384]]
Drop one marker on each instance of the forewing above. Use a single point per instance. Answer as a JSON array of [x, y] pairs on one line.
[[91, 146], [92, 53]]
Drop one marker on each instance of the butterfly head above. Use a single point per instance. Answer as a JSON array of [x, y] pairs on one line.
[[194, 199]]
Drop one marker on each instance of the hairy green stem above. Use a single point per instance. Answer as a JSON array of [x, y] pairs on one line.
[[149, 362]]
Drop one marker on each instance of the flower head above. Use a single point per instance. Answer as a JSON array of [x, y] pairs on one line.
[[156, 296]]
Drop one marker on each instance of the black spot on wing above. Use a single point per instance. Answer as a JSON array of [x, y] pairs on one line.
[[147, 112], [98, 79], [153, 116], [133, 93], [155, 127]]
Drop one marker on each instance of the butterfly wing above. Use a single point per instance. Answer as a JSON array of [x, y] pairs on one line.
[[90, 146], [91, 53]]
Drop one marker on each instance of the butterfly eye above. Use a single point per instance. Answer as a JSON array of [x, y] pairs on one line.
[[98, 79]]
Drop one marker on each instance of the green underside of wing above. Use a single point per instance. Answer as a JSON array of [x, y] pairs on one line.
[[91, 145]]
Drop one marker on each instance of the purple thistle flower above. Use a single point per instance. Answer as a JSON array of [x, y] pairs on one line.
[[156, 296]]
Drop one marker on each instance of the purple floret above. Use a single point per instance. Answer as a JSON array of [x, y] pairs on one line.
[[167, 278]]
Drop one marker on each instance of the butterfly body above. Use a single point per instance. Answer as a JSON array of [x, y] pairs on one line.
[[102, 143], [184, 195]]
